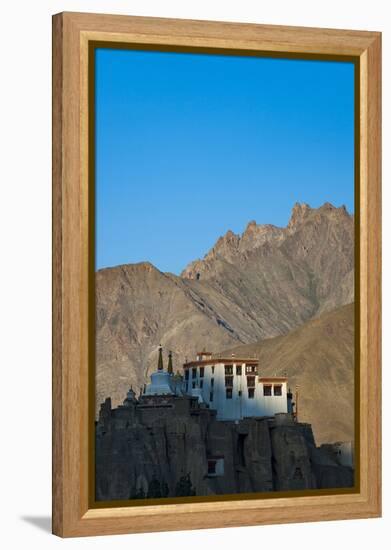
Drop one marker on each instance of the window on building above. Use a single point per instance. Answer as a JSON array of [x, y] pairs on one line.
[[239, 369], [229, 381], [251, 381], [193, 385], [239, 393], [187, 374], [187, 387], [194, 372], [215, 466], [202, 371], [267, 390], [201, 384], [211, 396], [251, 392], [211, 467], [240, 449], [251, 369], [228, 393], [277, 390], [229, 369], [213, 369], [212, 382]]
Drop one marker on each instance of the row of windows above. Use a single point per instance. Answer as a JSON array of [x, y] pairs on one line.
[[250, 369], [277, 389], [201, 385], [268, 389], [228, 369], [250, 392], [229, 381]]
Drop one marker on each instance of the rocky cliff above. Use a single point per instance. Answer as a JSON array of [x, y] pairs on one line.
[[169, 447]]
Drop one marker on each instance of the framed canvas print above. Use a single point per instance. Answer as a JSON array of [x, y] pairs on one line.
[[216, 268]]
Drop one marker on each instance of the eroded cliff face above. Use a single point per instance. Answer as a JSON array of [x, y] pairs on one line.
[[163, 446]]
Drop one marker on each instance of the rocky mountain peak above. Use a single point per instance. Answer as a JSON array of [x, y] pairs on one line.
[[226, 245], [251, 227], [256, 235], [230, 237], [299, 213]]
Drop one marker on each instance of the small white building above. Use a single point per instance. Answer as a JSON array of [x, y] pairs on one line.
[[234, 387]]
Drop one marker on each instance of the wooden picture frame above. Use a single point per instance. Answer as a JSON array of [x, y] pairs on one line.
[[73, 214]]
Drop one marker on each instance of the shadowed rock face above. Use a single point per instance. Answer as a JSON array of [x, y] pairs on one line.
[[163, 451], [261, 284]]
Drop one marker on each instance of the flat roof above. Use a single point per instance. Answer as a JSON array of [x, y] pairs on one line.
[[219, 360]]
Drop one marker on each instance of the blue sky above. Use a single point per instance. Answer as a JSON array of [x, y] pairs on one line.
[[191, 145]]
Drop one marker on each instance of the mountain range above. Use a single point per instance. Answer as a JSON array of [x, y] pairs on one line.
[[249, 288]]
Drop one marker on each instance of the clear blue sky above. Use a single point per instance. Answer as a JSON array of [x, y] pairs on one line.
[[191, 145]]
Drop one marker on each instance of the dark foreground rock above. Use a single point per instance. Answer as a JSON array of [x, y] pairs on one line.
[[166, 446]]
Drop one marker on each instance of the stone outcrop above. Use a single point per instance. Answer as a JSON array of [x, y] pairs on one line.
[[168, 446]]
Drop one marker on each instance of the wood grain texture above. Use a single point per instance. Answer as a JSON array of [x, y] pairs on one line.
[[57, 370], [71, 35], [371, 370]]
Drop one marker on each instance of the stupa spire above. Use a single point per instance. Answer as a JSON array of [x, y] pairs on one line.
[[160, 360], [169, 368]]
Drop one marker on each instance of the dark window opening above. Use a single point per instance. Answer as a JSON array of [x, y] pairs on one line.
[[194, 372], [229, 369], [240, 448], [251, 369], [239, 369], [278, 390], [267, 390], [251, 381], [251, 392], [229, 381], [201, 383], [202, 370], [211, 396], [228, 393], [213, 369], [193, 385], [186, 374], [211, 466], [212, 382]]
